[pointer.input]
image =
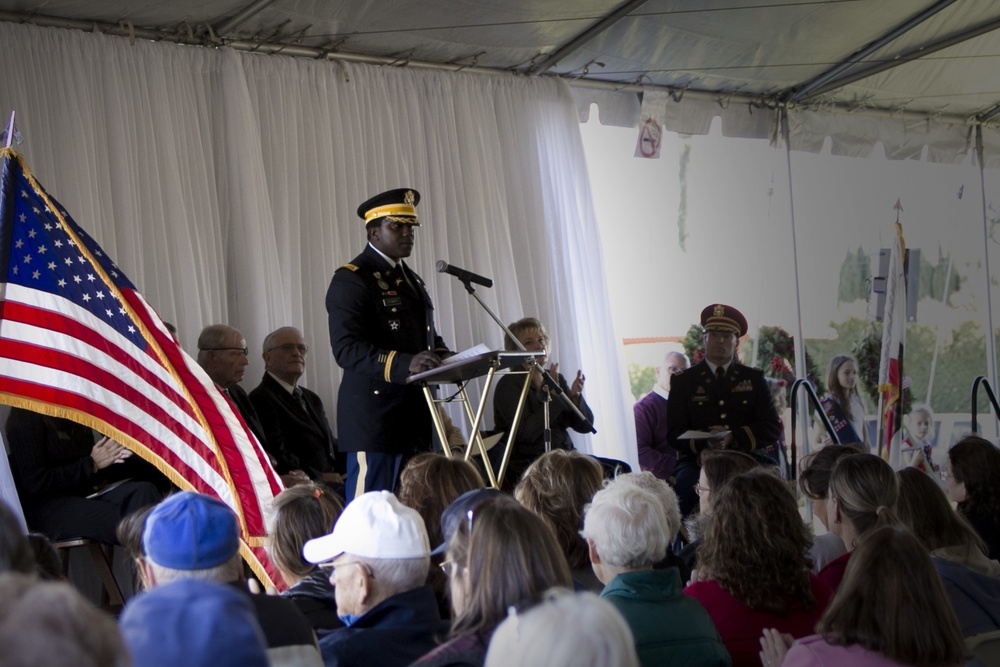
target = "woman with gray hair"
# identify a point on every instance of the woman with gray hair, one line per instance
(564, 630)
(628, 529)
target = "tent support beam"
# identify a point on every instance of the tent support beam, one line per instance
(585, 36)
(915, 53)
(856, 57)
(297, 50)
(241, 17)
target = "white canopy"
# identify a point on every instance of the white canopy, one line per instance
(900, 72)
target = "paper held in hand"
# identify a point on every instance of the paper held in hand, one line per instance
(703, 435)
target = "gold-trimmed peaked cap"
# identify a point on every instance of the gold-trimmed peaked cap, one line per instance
(720, 317)
(399, 205)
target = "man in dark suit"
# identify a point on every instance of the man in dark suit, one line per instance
(722, 397)
(381, 332)
(295, 425)
(222, 352)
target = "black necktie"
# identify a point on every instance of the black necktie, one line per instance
(720, 373)
(297, 393)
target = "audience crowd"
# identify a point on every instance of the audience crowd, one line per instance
(569, 563)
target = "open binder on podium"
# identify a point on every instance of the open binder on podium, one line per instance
(459, 369)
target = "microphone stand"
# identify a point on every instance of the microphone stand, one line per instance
(550, 384)
(547, 433)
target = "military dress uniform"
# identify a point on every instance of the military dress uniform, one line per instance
(740, 401)
(380, 316)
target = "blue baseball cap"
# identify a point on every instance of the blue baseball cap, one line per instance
(191, 531)
(458, 509)
(195, 624)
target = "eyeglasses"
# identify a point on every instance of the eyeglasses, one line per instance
(448, 567)
(332, 567)
(245, 351)
(290, 347)
(701, 490)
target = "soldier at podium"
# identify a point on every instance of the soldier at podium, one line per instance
(381, 332)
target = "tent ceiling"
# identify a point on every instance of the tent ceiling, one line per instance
(941, 57)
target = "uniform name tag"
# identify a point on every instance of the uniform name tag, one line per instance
(392, 301)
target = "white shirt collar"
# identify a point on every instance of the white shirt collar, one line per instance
(712, 366)
(386, 257)
(288, 387)
(660, 391)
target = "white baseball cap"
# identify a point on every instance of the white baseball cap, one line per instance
(373, 525)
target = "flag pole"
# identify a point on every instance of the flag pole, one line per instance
(10, 130)
(801, 372)
(991, 350)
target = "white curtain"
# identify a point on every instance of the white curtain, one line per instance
(225, 185)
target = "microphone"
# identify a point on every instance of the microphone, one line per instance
(462, 274)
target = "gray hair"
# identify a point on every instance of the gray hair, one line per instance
(664, 493)
(269, 338)
(212, 337)
(393, 576)
(50, 623)
(229, 571)
(627, 526)
(590, 632)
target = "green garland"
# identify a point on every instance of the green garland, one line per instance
(868, 353)
(775, 355)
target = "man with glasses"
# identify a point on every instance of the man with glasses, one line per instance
(222, 352)
(295, 424)
(378, 557)
(382, 332)
(719, 403)
(655, 455)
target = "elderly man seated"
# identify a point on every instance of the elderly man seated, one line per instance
(627, 529)
(379, 556)
(193, 536)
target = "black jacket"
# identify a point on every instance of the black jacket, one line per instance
(377, 324)
(296, 438)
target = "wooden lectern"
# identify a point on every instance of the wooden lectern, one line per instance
(459, 373)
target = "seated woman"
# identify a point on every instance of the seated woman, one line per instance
(565, 630)
(884, 614)
(71, 486)
(862, 496)
(973, 477)
(512, 559)
(754, 571)
(429, 483)
(556, 487)
(971, 580)
(301, 513)
(627, 532)
(814, 482)
(529, 441)
(718, 466)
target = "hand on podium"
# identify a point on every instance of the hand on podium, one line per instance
(424, 361)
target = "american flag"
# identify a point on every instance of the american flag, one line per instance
(78, 341)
